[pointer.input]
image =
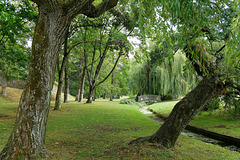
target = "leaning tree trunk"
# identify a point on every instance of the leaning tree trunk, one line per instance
(28, 137)
(185, 110)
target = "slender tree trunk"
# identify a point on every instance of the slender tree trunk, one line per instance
(28, 137)
(111, 92)
(66, 88)
(184, 111)
(60, 75)
(90, 94)
(95, 95)
(79, 81)
(104, 94)
(4, 85)
(59, 92)
(82, 85)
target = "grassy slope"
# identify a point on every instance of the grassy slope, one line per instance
(103, 129)
(14, 95)
(217, 122)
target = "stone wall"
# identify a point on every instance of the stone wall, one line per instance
(15, 84)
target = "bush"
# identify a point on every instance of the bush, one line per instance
(127, 101)
(167, 97)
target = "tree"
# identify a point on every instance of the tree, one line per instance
(15, 29)
(210, 47)
(28, 137)
(104, 40)
(60, 74)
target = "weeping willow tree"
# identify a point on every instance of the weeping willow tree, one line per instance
(165, 77)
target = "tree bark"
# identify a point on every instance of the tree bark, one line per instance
(66, 88)
(90, 94)
(185, 110)
(28, 137)
(4, 85)
(60, 75)
(104, 94)
(79, 81)
(95, 95)
(59, 93)
(82, 85)
(111, 92)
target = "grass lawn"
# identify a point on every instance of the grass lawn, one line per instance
(102, 130)
(213, 121)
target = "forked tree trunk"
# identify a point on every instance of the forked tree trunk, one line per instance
(28, 137)
(184, 111)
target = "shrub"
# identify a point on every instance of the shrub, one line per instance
(127, 101)
(167, 97)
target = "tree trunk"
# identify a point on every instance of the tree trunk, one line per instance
(104, 94)
(185, 110)
(82, 86)
(59, 92)
(95, 95)
(66, 88)
(90, 94)
(79, 82)
(60, 75)
(28, 137)
(111, 92)
(4, 85)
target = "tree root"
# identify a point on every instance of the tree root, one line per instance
(139, 140)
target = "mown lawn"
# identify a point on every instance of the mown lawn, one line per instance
(214, 121)
(102, 130)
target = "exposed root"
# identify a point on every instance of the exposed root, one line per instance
(139, 140)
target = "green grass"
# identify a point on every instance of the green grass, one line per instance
(213, 121)
(102, 130)
(164, 107)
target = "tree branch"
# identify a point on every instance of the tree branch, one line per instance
(95, 11)
(120, 54)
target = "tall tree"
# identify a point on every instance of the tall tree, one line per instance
(14, 32)
(28, 137)
(60, 73)
(210, 47)
(107, 39)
